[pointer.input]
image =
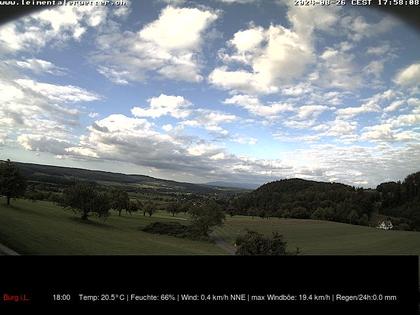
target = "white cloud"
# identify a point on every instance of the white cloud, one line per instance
(56, 25)
(253, 105)
(371, 104)
(245, 140)
(38, 66)
(93, 114)
(358, 28)
(307, 19)
(337, 128)
(42, 143)
(276, 55)
(386, 133)
(412, 101)
(240, 81)
(58, 93)
(394, 106)
(381, 162)
(218, 156)
(379, 132)
(209, 120)
(38, 108)
(375, 68)
(238, 1)
(310, 111)
(167, 127)
(404, 120)
(168, 47)
(409, 76)
(175, 106)
(380, 50)
(115, 76)
(337, 69)
(245, 41)
(178, 28)
(133, 140)
(174, 2)
(80, 151)
(297, 89)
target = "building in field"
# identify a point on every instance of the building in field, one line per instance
(385, 225)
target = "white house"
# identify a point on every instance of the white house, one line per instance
(385, 225)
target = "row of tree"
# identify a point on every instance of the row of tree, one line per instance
(402, 199)
(91, 199)
(291, 198)
(303, 199)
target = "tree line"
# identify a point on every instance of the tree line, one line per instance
(289, 198)
(303, 199)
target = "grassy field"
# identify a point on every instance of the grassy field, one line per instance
(43, 228)
(326, 238)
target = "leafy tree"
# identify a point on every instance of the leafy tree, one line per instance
(119, 200)
(205, 216)
(353, 217)
(12, 183)
(149, 208)
(174, 208)
(134, 206)
(84, 198)
(255, 244)
(364, 220)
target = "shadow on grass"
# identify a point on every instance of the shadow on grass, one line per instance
(20, 209)
(97, 224)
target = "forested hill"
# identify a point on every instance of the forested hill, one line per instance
(56, 176)
(298, 198)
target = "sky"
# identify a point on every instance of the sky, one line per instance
(245, 91)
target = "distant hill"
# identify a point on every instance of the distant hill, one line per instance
(249, 186)
(57, 176)
(305, 199)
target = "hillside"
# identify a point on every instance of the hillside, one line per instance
(248, 186)
(42, 228)
(53, 176)
(304, 199)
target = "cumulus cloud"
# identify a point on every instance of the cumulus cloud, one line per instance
(39, 108)
(394, 106)
(337, 69)
(276, 55)
(238, 1)
(168, 47)
(273, 56)
(51, 26)
(371, 104)
(387, 133)
(37, 66)
(337, 128)
(134, 140)
(253, 105)
(358, 28)
(210, 120)
(58, 93)
(42, 143)
(175, 106)
(343, 163)
(409, 76)
(310, 111)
